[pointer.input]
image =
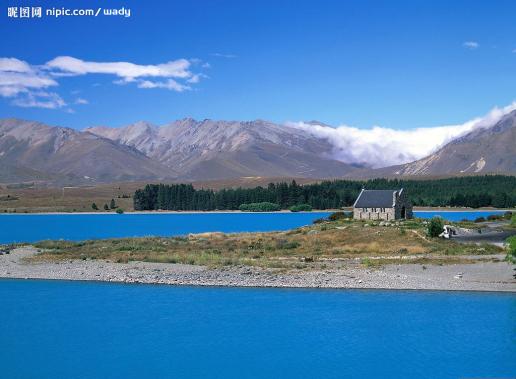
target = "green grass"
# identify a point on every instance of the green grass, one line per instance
(511, 246)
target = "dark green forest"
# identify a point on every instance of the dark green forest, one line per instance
(471, 191)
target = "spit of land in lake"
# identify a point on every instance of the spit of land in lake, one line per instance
(342, 253)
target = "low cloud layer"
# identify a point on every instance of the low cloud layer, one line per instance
(380, 147)
(29, 85)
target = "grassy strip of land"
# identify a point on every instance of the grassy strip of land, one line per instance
(327, 244)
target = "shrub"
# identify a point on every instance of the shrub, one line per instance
(493, 217)
(435, 227)
(94, 207)
(285, 244)
(301, 208)
(335, 216)
(106, 208)
(507, 215)
(480, 219)
(259, 207)
(112, 204)
(511, 244)
(513, 220)
(119, 211)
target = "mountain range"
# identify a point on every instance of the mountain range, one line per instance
(484, 150)
(191, 150)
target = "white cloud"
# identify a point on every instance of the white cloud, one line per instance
(14, 65)
(472, 45)
(81, 101)
(17, 76)
(128, 72)
(380, 147)
(221, 55)
(47, 100)
(73, 66)
(168, 84)
(26, 84)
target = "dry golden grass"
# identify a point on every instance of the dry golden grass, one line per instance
(79, 199)
(316, 246)
(67, 199)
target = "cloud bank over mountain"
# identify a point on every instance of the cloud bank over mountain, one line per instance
(380, 146)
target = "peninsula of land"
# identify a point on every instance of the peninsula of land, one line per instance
(339, 253)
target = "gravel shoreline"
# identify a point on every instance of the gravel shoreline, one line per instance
(481, 276)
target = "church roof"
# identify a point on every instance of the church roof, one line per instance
(375, 199)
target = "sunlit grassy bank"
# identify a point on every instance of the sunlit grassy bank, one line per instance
(327, 244)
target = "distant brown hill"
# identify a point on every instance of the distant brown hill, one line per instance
(34, 151)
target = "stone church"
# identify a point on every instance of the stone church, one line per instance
(382, 205)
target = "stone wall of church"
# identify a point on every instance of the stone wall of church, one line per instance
(401, 202)
(386, 214)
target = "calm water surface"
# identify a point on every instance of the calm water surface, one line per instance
(457, 216)
(52, 329)
(30, 228)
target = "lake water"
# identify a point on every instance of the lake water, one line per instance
(30, 228)
(457, 215)
(52, 329)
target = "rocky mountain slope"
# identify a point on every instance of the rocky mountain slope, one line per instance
(31, 150)
(213, 150)
(226, 149)
(486, 150)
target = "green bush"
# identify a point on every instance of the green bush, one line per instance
(513, 220)
(335, 216)
(435, 227)
(259, 207)
(301, 208)
(511, 243)
(284, 244)
(119, 211)
(94, 207)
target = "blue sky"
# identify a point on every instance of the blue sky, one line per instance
(398, 64)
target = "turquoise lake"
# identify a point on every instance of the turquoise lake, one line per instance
(56, 329)
(34, 227)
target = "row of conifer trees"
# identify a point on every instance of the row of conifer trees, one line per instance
(474, 191)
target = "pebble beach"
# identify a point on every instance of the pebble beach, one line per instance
(495, 275)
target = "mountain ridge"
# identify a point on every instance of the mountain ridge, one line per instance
(62, 152)
(484, 150)
(193, 150)
(209, 149)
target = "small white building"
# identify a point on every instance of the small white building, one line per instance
(382, 205)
